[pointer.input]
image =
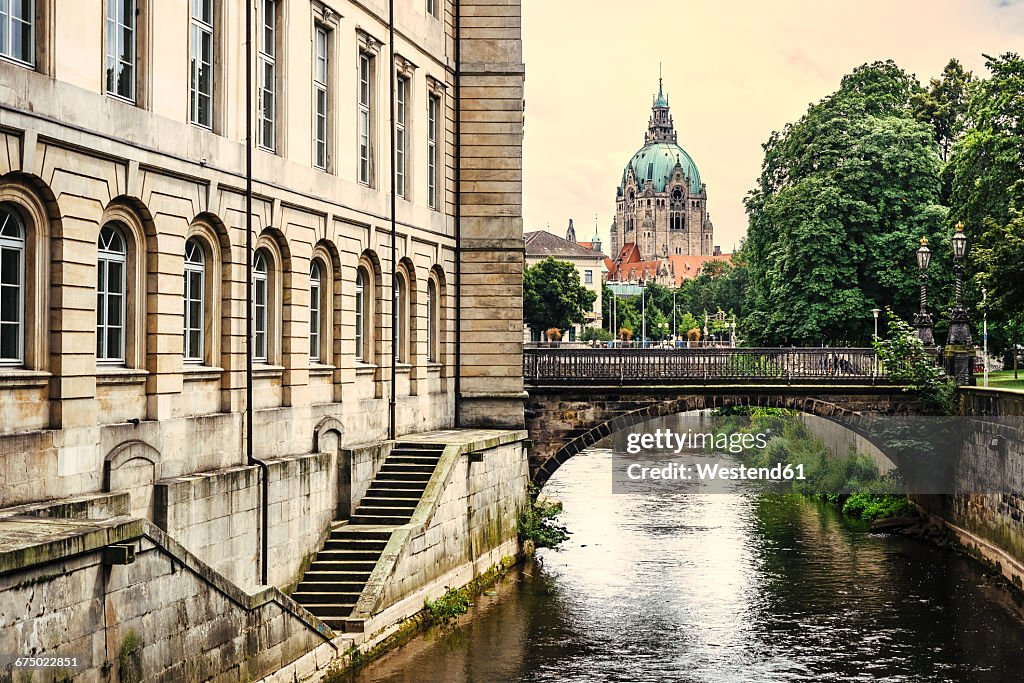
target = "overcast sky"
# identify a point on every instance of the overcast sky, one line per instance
(734, 70)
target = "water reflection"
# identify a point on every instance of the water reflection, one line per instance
(722, 587)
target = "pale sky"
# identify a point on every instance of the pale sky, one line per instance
(734, 71)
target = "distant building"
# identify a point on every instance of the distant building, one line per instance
(587, 261)
(662, 229)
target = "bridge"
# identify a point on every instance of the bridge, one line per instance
(579, 396)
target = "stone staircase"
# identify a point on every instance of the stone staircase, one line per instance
(334, 581)
(397, 488)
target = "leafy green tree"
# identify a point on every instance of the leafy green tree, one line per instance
(944, 105)
(553, 295)
(844, 196)
(988, 162)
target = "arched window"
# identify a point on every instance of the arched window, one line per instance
(12, 288)
(361, 315)
(401, 332)
(431, 320)
(260, 307)
(315, 311)
(195, 301)
(110, 294)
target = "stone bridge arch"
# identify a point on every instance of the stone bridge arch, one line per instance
(562, 421)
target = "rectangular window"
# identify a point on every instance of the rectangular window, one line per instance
(588, 277)
(194, 286)
(267, 73)
(17, 32)
(12, 285)
(365, 118)
(121, 35)
(259, 302)
(401, 97)
(433, 109)
(432, 8)
(201, 64)
(320, 70)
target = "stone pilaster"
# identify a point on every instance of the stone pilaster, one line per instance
(491, 206)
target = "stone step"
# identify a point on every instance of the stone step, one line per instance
(389, 466)
(335, 577)
(412, 460)
(420, 478)
(418, 446)
(372, 508)
(378, 520)
(342, 554)
(342, 566)
(362, 533)
(307, 587)
(386, 483)
(414, 494)
(340, 609)
(368, 544)
(385, 501)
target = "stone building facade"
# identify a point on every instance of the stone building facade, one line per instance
(585, 257)
(123, 219)
(661, 203)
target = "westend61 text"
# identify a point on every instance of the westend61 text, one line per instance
(711, 471)
(667, 440)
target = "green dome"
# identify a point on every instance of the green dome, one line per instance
(657, 161)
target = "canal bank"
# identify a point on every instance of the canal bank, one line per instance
(722, 587)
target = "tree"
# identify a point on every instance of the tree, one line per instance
(553, 295)
(944, 105)
(988, 162)
(844, 196)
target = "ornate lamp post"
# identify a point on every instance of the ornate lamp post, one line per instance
(958, 347)
(875, 312)
(923, 319)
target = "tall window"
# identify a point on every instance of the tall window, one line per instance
(360, 315)
(259, 307)
(433, 109)
(12, 287)
(110, 295)
(201, 63)
(320, 99)
(195, 301)
(121, 42)
(431, 320)
(365, 120)
(400, 315)
(588, 277)
(401, 97)
(314, 311)
(267, 65)
(432, 8)
(17, 34)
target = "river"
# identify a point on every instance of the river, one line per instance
(717, 588)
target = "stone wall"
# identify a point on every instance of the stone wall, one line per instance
(164, 617)
(216, 516)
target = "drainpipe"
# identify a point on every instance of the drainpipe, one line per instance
(250, 459)
(394, 232)
(458, 215)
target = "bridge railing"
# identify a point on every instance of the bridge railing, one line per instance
(785, 365)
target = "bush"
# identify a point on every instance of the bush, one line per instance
(595, 334)
(536, 523)
(554, 334)
(870, 506)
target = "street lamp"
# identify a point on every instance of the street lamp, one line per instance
(923, 319)
(875, 312)
(957, 357)
(984, 333)
(643, 314)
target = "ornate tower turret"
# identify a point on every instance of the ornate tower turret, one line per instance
(570, 234)
(660, 128)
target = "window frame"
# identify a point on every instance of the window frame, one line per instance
(267, 62)
(433, 109)
(261, 278)
(8, 23)
(321, 96)
(364, 118)
(104, 258)
(191, 269)
(112, 32)
(19, 245)
(432, 9)
(198, 26)
(432, 318)
(316, 311)
(403, 86)
(401, 332)
(360, 314)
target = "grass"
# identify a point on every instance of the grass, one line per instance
(1003, 379)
